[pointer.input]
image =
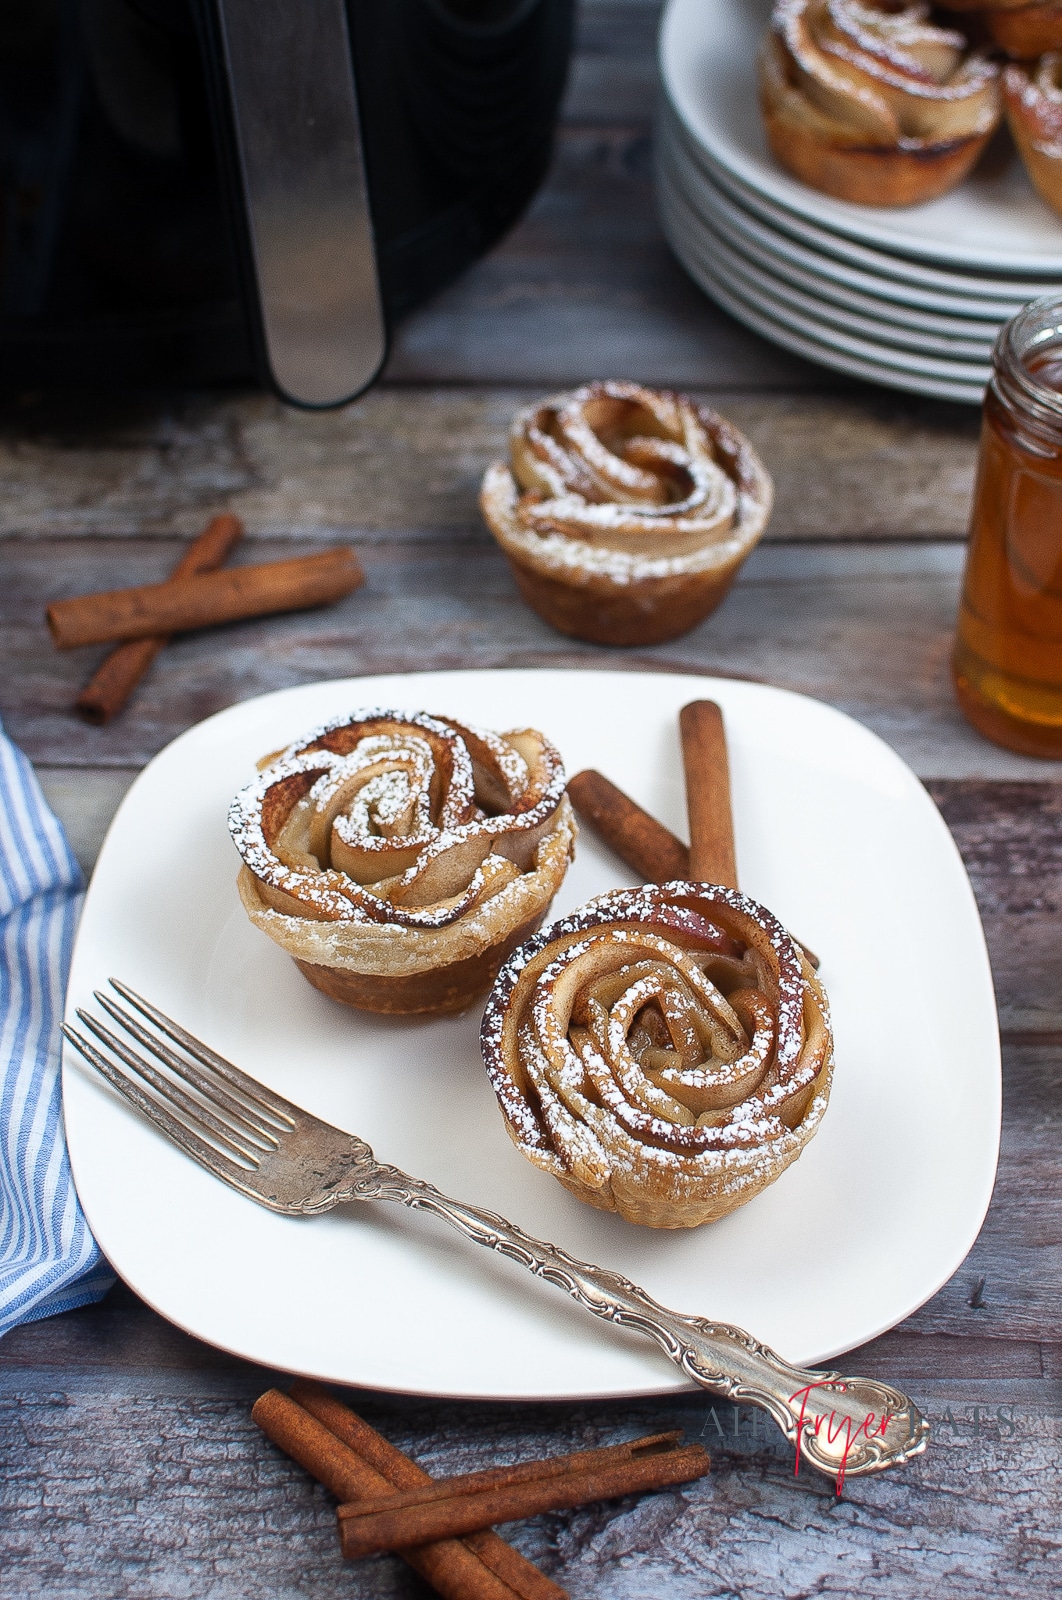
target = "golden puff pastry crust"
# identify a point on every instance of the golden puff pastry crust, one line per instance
(872, 102)
(1033, 95)
(624, 511)
(401, 857)
(664, 1052)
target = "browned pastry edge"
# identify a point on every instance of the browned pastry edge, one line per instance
(869, 175)
(441, 990)
(594, 608)
(641, 608)
(1045, 172)
(1035, 122)
(672, 1193)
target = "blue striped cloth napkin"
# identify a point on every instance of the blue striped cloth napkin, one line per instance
(49, 1261)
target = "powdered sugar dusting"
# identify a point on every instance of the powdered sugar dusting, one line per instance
(380, 849)
(667, 1161)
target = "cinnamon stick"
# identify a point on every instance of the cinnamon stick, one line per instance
(453, 1567)
(523, 1472)
(644, 844)
(118, 675)
(368, 1528)
(712, 855)
(707, 765)
(505, 1563)
(649, 848)
(204, 599)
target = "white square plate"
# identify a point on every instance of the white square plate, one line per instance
(834, 833)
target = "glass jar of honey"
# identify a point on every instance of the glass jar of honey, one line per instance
(1008, 650)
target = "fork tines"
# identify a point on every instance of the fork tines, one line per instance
(205, 1104)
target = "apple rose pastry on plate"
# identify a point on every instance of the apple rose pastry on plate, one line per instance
(400, 858)
(625, 512)
(664, 1052)
(871, 102)
(1034, 110)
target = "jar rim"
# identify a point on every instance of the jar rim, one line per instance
(1037, 326)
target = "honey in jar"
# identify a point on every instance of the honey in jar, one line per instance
(1008, 650)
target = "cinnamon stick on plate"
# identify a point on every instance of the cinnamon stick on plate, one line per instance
(713, 858)
(707, 764)
(201, 600)
(118, 675)
(456, 1506)
(483, 1567)
(648, 848)
(652, 850)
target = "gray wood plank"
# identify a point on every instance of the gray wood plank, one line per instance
(407, 463)
(585, 287)
(153, 1488)
(85, 803)
(867, 628)
(1010, 836)
(613, 76)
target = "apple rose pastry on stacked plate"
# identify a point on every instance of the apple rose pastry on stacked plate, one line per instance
(664, 1052)
(625, 512)
(400, 858)
(872, 102)
(1034, 110)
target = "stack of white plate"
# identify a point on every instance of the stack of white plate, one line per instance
(912, 298)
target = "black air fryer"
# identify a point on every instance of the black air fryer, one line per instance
(204, 190)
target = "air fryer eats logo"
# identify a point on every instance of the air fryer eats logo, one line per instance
(959, 1424)
(840, 1434)
(837, 1435)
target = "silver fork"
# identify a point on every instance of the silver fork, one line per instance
(292, 1162)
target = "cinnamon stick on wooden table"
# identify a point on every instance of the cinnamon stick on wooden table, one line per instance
(202, 600)
(482, 1567)
(455, 1506)
(118, 675)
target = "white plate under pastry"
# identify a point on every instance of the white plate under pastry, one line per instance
(818, 340)
(801, 269)
(759, 278)
(992, 222)
(936, 306)
(971, 292)
(834, 833)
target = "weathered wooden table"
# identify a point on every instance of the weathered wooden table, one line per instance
(131, 1467)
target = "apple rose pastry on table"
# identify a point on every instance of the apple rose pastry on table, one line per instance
(625, 512)
(872, 102)
(400, 858)
(664, 1052)
(1034, 111)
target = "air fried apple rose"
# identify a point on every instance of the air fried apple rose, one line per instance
(400, 858)
(1034, 110)
(872, 102)
(664, 1052)
(625, 512)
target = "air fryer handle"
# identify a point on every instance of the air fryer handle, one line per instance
(285, 71)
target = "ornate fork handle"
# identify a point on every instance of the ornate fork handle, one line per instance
(845, 1427)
